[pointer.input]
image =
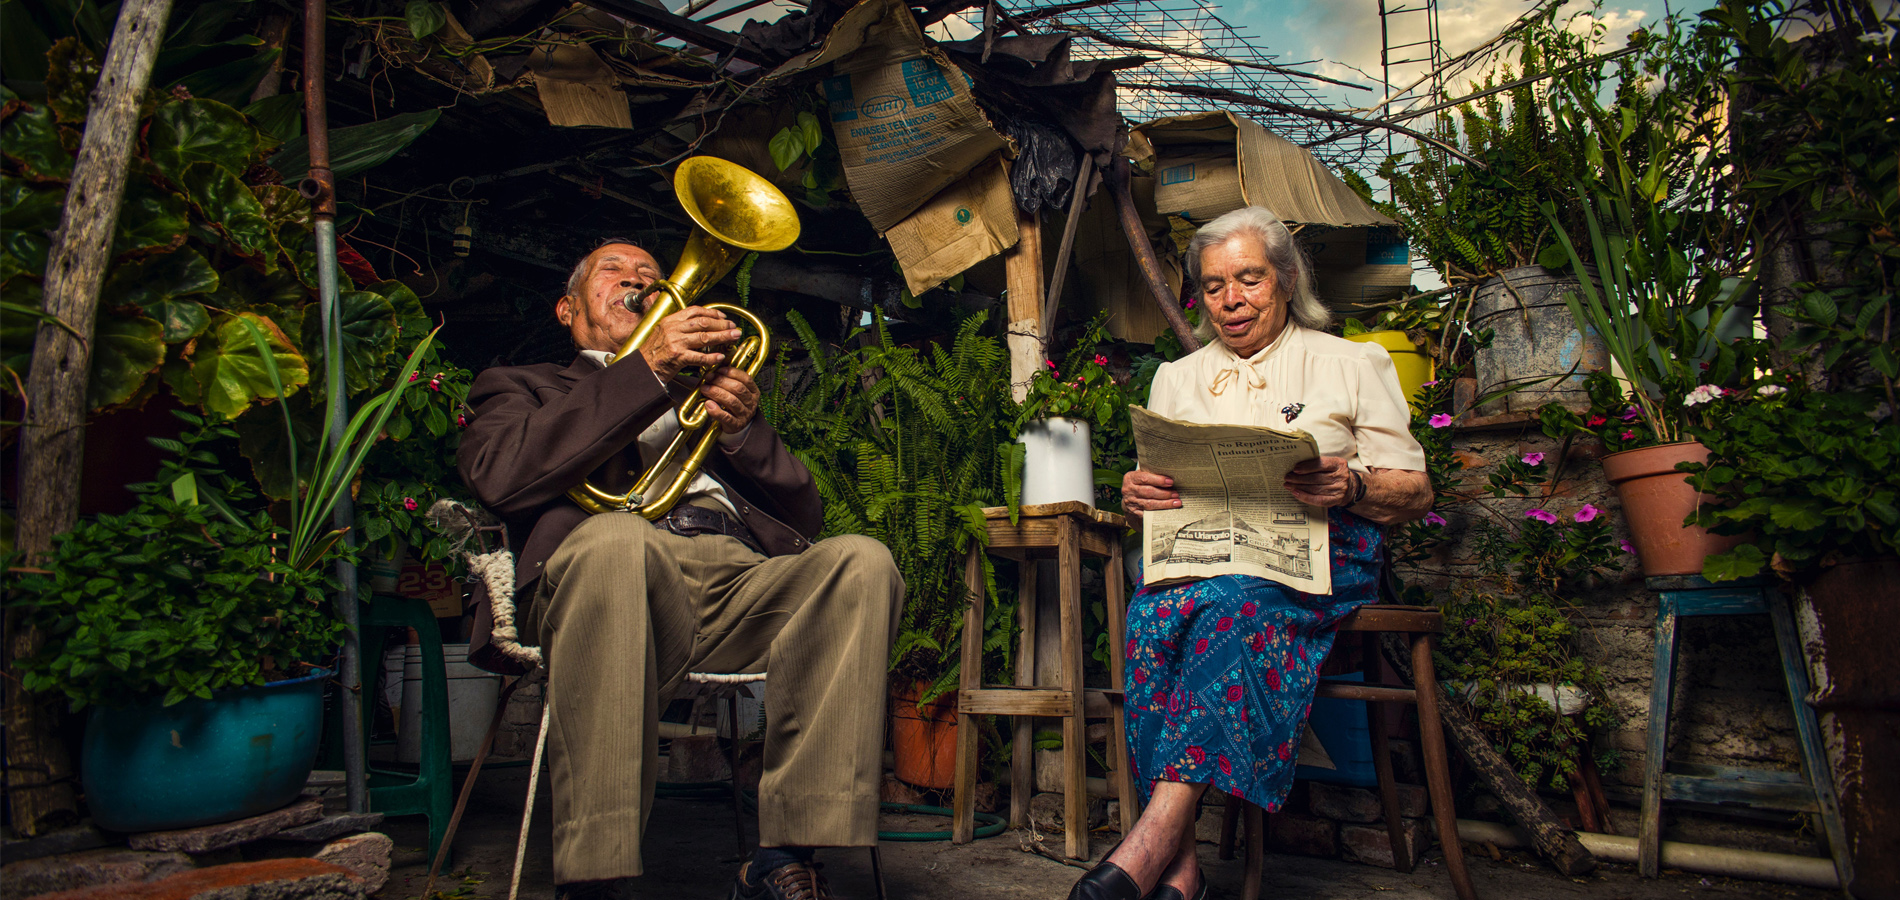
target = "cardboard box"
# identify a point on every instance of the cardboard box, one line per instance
(1106, 275)
(577, 88)
(431, 583)
(905, 122)
(1356, 267)
(1208, 164)
(966, 223)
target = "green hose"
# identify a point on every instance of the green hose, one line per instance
(991, 825)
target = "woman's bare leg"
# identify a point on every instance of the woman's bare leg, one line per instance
(1184, 871)
(1151, 850)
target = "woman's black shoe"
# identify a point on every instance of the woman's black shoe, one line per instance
(1105, 882)
(1167, 892)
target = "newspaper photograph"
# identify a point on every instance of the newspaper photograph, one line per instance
(1236, 515)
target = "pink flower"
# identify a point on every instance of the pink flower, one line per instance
(409, 503)
(1101, 360)
(1588, 513)
(1190, 303)
(1432, 383)
(1432, 518)
(414, 375)
(1533, 459)
(1627, 548)
(1594, 421)
(462, 421)
(1542, 515)
(1629, 415)
(1440, 420)
(1629, 435)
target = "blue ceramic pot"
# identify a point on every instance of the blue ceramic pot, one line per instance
(243, 752)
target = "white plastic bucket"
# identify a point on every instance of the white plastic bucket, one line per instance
(1059, 464)
(393, 658)
(472, 697)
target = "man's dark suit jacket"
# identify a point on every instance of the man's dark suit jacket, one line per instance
(539, 430)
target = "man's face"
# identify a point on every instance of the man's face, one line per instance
(597, 318)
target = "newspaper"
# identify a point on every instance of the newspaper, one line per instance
(1236, 515)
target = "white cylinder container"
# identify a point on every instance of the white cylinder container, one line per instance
(1059, 464)
(472, 697)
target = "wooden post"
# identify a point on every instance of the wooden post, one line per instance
(53, 434)
(1022, 264)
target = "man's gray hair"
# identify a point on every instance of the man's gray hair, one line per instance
(577, 279)
(1292, 278)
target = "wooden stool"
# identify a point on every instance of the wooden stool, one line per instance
(1065, 531)
(1812, 791)
(1421, 625)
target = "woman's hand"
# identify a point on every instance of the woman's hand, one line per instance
(1143, 491)
(1323, 481)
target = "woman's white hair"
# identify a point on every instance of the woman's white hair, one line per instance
(1292, 278)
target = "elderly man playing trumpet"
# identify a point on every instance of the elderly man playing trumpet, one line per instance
(1220, 672)
(728, 581)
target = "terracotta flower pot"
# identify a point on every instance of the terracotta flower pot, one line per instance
(1656, 498)
(924, 742)
(1853, 611)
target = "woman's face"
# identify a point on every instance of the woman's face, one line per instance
(1237, 291)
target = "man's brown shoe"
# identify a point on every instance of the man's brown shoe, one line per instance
(792, 881)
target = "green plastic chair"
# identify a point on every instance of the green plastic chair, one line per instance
(428, 790)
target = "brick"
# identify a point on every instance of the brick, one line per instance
(365, 854)
(87, 868)
(1414, 801)
(207, 838)
(1302, 834)
(1046, 813)
(1370, 844)
(1344, 804)
(272, 879)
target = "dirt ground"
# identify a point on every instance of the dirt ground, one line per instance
(691, 855)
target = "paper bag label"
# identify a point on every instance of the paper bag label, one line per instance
(1178, 174)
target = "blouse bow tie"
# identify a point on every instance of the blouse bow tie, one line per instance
(1232, 375)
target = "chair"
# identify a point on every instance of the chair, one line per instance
(1066, 531)
(1421, 625)
(426, 792)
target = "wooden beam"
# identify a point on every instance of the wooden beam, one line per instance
(52, 437)
(695, 33)
(1145, 254)
(1022, 267)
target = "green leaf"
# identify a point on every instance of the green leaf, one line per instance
(1745, 561)
(357, 148)
(28, 216)
(125, 351)
(261, 439)
(1796, 516)
(149, 216)
(280, 117)
(230, 370)
(233, 82)
(72, 71)
(812, 131)
(424, 18)
(1820, 308)
(30, 137)
(159, 286)
(786, 147)
(369, 335)
(184, 132)
(230, 205)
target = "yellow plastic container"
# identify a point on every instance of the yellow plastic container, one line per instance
(1414, 365)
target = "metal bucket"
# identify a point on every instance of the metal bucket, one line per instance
(1535, 337)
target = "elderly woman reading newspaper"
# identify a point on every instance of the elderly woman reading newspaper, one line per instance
(1220, 672)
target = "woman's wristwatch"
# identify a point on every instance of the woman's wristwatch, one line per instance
(1357, 489)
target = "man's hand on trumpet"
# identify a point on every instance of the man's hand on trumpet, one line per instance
(694, 336)
(731, 398)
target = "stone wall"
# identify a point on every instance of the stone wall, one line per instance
(1730, 706)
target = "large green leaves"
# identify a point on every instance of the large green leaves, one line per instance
(162, 286)
(193, 131)
(357, 148)
(28, 214)
(149, 216)
(369, 335)
(280, 117)
(125, 351)
(225, 200)
(230, 371)
(30, 137)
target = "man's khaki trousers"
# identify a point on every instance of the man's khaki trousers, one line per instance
(625, 610)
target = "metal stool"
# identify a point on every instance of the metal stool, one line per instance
(1421, 625)
(1066, 531)
(1811, 792)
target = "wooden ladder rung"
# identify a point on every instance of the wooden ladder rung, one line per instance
(1348, 691)
(1004, 700)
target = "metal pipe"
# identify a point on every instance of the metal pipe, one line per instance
(319, 187)
(1810, 871)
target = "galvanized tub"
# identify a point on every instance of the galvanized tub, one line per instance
(1535, 338)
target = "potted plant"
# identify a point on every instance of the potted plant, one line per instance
(907, 446)
(195, 630)
(1409, 329)
(1057, 421)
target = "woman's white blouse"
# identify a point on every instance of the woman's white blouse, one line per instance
(1344, 393)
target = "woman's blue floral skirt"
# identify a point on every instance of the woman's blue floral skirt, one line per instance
(1220, 672)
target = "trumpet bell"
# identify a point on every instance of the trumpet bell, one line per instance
(735, 205)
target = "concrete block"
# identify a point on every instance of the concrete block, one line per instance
(365, 854)
(1047, 813)
(207, 838)
(86, 868)
(271, 879)
(1298, 833)
(1371, 845)
(331, 826)
(1342, 803)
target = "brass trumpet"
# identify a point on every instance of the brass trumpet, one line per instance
(734, 211)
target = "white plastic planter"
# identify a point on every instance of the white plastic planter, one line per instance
(472, 697)
(1058, 465)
